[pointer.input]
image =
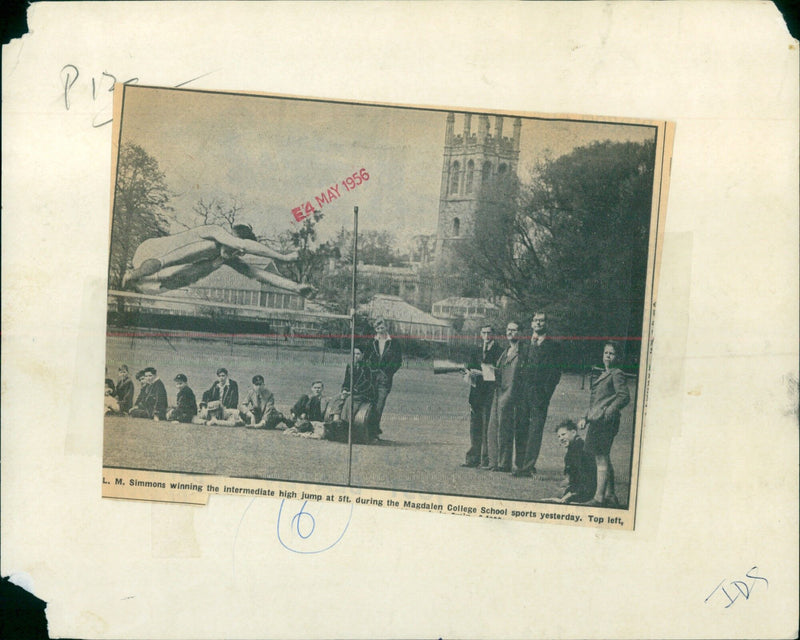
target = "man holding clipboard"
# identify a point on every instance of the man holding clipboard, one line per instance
(481, 392)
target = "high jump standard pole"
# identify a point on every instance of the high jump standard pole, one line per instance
(352, 346)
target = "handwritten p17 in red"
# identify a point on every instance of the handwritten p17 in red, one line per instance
(330, 194)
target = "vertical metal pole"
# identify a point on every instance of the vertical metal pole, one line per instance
(352, 347)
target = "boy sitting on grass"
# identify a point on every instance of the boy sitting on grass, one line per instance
(579, 467)
(258, 409)
(213, 413)
(185, 408)
(111, 404)
(309, 408)
(152, 400)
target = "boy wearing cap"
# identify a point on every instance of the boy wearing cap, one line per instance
(185, 403)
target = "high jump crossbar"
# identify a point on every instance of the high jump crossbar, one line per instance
(227, 305)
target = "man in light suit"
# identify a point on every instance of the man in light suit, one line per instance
(383, 358)
(508, 390)
(481, 393)
(541, 376)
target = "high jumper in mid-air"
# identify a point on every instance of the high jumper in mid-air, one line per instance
(178, 260)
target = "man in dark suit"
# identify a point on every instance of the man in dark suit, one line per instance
(541, 376)
(383, 358)
(508, 389)
(481, 393)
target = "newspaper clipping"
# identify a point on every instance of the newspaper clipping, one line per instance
(427, 308)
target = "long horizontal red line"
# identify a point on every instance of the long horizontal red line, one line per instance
(152, 334)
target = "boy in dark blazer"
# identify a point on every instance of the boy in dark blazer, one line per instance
(225, 390)
(185, 403)
(124, 392)
(542, 372)
(383, 358)
(580, 472)
(152, 400)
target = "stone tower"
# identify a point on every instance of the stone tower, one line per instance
(471, 161)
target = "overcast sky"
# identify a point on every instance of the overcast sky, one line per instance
(275, 154)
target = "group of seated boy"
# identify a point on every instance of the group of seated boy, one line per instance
(219, 405)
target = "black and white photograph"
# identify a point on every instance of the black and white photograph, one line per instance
(339, 273)
(430, 304)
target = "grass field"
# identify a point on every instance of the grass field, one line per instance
(425, 425)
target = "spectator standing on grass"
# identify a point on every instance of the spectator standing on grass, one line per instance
(124, 392)
(383, 358)
(580, 471)
(185, 408)
(507, 394)
(481, 392)
(609, 395)
(541, 374)
(152, 400)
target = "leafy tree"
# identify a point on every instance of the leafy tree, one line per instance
(501, 250)
(334, 283)
(573, 241)
(141, 198)
(312, 254)
(422, 247)
(379, 248)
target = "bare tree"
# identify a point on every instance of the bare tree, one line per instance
(219, 211)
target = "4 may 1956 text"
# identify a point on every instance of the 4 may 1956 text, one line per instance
(330, 194)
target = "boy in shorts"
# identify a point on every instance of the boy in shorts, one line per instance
(165, 263)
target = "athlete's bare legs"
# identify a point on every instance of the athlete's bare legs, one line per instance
(198, 245)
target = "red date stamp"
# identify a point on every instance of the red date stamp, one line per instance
(330, 194)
